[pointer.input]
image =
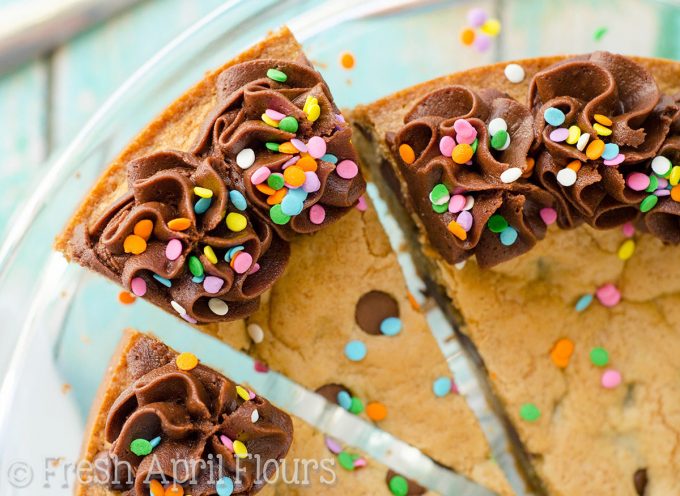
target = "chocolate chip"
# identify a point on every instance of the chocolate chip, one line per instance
(330, 392)
(414, 489)
(640, 481)
(374, 307)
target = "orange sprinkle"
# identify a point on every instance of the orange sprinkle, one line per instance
(134, 244)
(561, 352)
(179, 224)
(347, 60)
(143, 229)
(126, 298)
(574, 165)
(412, 300)
(294, 176)
(267, 190)
(530, 165)
(462, 153)
(376, 411)
(186, 361)
(174, 490)
(467, 36)
(407, 154)
(595, 149)
(457, 230)
(603, 119)
(675, 193)
(277, 197)
(307, 164)
(156, 488)
(288, 148)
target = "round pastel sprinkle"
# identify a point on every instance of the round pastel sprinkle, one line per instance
(440, 209)
(141, 447)
(560, 134)
(255, 416)
(476, 17)
(628, 229)
(256, 333)
(594, 149)
(511, 175)
(462, 153)
(238, 200)
(674, 177)
(240, 449)
(514, 73)
(177, 307)
(376, 411)
(566, 177)
(398, 486)
(210, 254)
(548, 215)
(245, 158)
(347, 169)
(291, 205)
(561, 352)
(653, 184)
(509, 236)
(611, 151)
(442, 386)
(242, 262)
(469, 202)
(626, 249)
(439, 194)
(212, 284)
(465, 220)
(228, 443)
(446, 145)
(362, 205)
(203, 192)
(218, 307)
(156, 488)
(330, 158)
(482, 42)
(316, 147)
(275, 180)
(554, 116)
(312, 183)
(186, 361)
(574, 135)
(408, 156)
(243, 393)
(611, 378)
(491, 27)
(277, 215)
(356, 406)
(467, 36)
(616, 160)
(236, 222)
(202, 205)
(661, 165)
(260, 175)
(582, 142)
(599, 357)
(317, 214)
(173, 249)
(344, 400)
(456, 203)
(496, 125)
(277, 76)
(391, 326)
(333, 445)
(529, 412)
(584, 302)
(138, 286)
(608, 295)
(637, 181)
(649, 203)
(355, 350)
(224, 487)
(289, 124)
(165, 282)
(134, 244)
(346, 460)
(497, 223)
(273, 147)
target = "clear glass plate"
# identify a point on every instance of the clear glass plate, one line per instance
(60, 324)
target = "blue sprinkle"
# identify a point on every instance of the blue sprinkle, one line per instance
(329, 157)
(391, 326)
(291, 205)
(509, 236)
(155, 441)
(298, 193)
(441, 386)
(584, 302)
(202, 205)
(554, 116)
(224, 487)
(344, 400)
(198, 279)
(238, 200)
(355, 351)
(611, 150)
(232, 251)
(165, 282)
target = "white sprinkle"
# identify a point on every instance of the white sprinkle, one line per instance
(506, 144)
(217, 306)
(255, 416)
(514, 73)
(460, 265)
(511, 175)
(497, 124)
(245, 158)
(178, 308)
(582, 142)
(566, 177)
(256, 333)
(444, 199)
(661, 165)
(469, 202)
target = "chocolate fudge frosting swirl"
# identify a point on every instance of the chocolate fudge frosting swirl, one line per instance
(636, 117)
(190, 411)
(518, 201)
(287, 119)
(202, 269)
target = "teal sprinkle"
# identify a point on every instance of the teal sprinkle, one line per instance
(198, 279)
(165, 282)
(584, 302)
(330, 158)
(238, 200)
(155, 441)
(202, 205)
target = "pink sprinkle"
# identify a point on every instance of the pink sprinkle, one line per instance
(260, 175)
(662, 182)
(261, 367)
(293, 160)
(312, 183)
(242, 262)
(465, 220)
(360, 462)
(628, 230)
(340, 118)
(317, 214)
(482, 42)
(616, 160)
(189, 319)
(277, 116)
(347, 169)
(138, 286)
(549, 215)
(316, 146)
(560, 134)
(173, 249)
(454, 387)
(446, 145)
(637, 181)
(462, 126)
(227, 442)
(255, 268)
(298, 144)
(361, 204)
(332, 445)
(608, 295)
(212, 284)
(662, 192)
(476, 17)
(251, 395)
(611, 378)
(456, 203)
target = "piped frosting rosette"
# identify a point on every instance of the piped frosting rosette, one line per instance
(277, 122)
(600, 117)
(182, 237)
(464, 158)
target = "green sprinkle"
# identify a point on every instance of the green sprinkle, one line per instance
(438, 192)
(277, 75)
(288, 124)
(272, 146)
(398, 486)
(653, 184)
(141, 447)
(195, 266)
(440, 209)
(497, 223)
(357, 406)
(474, 145)
(276, 181)
(649, 203)
(346, 461)
(529, 412)
(599, 357)
(599, 33)
(278, 216)
(499, 139)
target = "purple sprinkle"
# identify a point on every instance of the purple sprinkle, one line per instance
(662, 192)
(212, 284)
(482, 42)
(560, 134)
(298, 144)
(312, 183)
(477, 17)
(316, 146)
(273, 114)
(293, 160)
(446, 145)
(662, 182)
(616, 160)
(189, 319)
(260, 175)
(465, 220)
(340, 118)
(333, 446)
(173, 249)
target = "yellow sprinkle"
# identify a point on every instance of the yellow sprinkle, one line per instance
(236, 222)
(288, 148)
(314, 112)
(269, 120)
(491, 27)
(601, 130)
(240, 449)
(210, 254)
(186, 361)
(574, 135)
(603, 119)
(243, 393)
(203, 192)
(309, 101)
(674, 177)
(626, 249)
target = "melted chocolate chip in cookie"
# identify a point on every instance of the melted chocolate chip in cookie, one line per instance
(373, 308)
(640, 481)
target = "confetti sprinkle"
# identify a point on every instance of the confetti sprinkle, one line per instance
(561, 352)
(376, 411)
(608, 295)
(127, 298)
(355, 350)
(514, 73)
(610, 379)
(599, 357)
(224, 487)
(599, 33)
(442, 386)
(347, 60)
(256, 333)
(186, 361)
(529, 412)
(141, 447)
(584, 302)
